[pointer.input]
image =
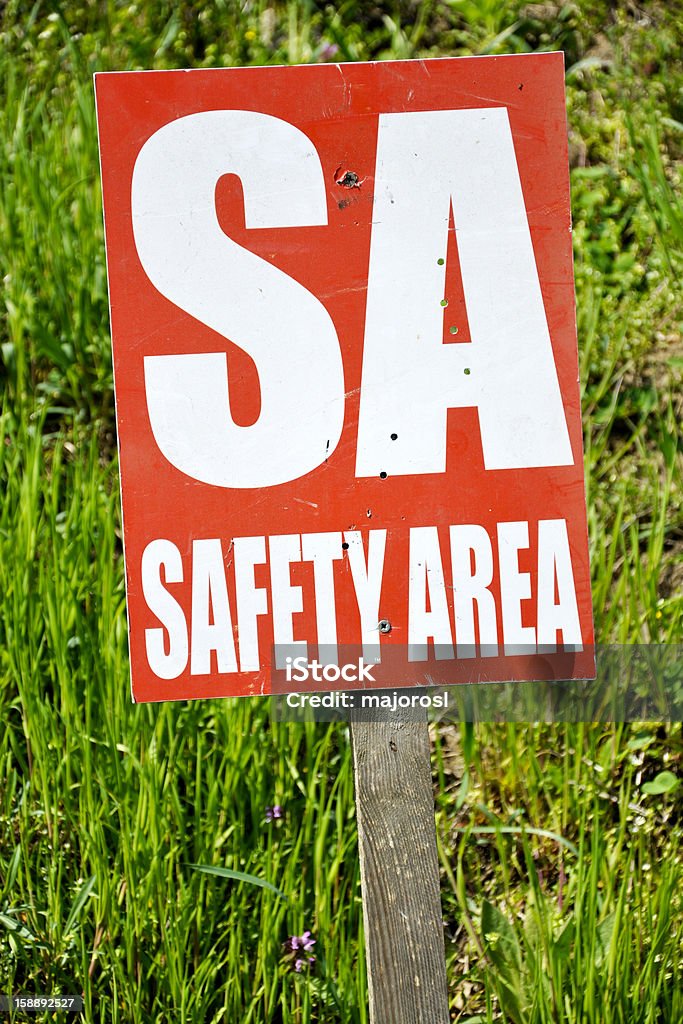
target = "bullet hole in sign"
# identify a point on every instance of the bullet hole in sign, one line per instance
(394, 437)
(383, 475)
(347, 179)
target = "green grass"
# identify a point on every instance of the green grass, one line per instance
(561, 867)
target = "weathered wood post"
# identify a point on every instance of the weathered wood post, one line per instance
(399, 869)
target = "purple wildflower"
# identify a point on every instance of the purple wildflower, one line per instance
(295, 947)
(328, 51)
(299, 963)
(304, 942)
(275, 812)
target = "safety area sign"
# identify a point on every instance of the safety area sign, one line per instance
(346, 376)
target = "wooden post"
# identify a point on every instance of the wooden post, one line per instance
(399, 870)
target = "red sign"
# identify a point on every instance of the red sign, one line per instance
(346, 372)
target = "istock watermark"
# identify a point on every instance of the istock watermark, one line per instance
(347, 683)
(356, 673)
(301, 670)
(632, 683)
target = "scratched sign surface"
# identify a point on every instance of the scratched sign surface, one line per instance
(346, 372)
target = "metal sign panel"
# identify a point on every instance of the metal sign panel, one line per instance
(346, 374)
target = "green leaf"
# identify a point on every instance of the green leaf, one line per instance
(79, 903)
(17, 928)
(665, 782)
(238, 876)
(13, 868)
(500, 941)
(641, 740)
(563, 943)
(469, 742)
(606, 930)
(517, 830)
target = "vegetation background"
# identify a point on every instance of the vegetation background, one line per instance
(559, 845)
